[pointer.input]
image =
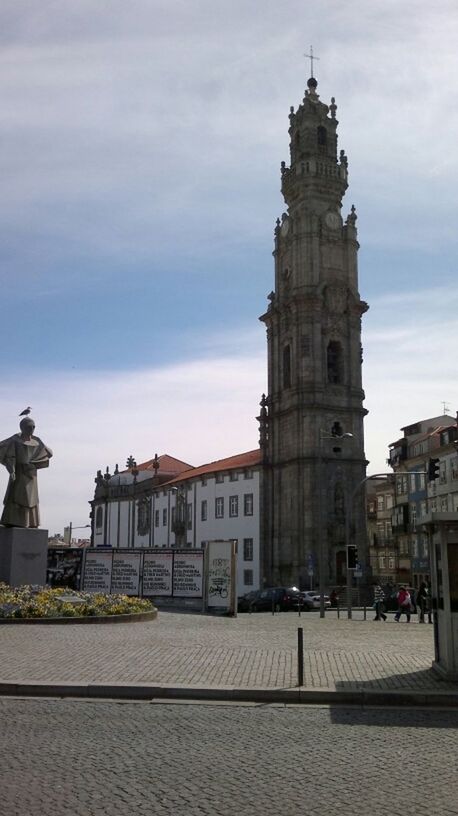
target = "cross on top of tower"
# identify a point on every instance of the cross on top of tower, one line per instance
(311, 57)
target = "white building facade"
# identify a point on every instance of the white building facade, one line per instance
(168, 504)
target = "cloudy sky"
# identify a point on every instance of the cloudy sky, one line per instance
(140, 151)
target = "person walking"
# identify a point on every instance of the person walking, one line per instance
(404, 604)
(424, 603)
(379, 597)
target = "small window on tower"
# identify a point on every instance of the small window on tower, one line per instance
(287, 367)
(321, 135)
(335, 363)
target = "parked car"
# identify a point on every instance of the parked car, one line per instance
(311, 600)
(282, 599)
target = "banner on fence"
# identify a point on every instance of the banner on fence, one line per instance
(157, 573)
(221, 589)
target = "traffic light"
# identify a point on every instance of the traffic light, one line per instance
(352, 556)
(433, 469)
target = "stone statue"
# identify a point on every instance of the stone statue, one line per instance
(23, 454)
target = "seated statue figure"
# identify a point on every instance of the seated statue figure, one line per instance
(23, 454)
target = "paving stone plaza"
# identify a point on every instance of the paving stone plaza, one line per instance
(250, 651)
(93, 757)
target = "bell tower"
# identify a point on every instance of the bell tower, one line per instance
(311, 419)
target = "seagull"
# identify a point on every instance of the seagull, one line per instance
(26, 411)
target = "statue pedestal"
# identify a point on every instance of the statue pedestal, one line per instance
(23, 556)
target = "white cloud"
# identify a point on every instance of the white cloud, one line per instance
(198, 412)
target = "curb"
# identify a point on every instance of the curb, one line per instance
(134, 617)
(304, 696)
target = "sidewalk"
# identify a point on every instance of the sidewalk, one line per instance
(252, 657)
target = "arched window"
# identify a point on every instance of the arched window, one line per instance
(287, 366)
(99, 517)
(321, 135)
(335, 363)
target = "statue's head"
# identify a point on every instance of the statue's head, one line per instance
(27, 425)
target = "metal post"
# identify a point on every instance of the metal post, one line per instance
(300, 656)
(347, 542)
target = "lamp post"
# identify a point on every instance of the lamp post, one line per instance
(338, 435)
(70, 529)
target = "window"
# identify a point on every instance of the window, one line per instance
(422, 481)
(413, 483)
(247, 549)
(233, 506)
(444, 504)
(425, 547)
(219, 507)
(189, 515)
(203, 510)
(99, 517)
(335, 362)
(413, 516)
(248, 577)
(287, 367)
(423, 508)
(380, 503)
(454, 464)
(219, 478)
(321, 135)
(247, 473)
(389, 502)
(203, 481)
(391, 564)
(442, 472)
(233, 476)
(248, 504)
(381, 562)
(415, 547)
(156, 518)
(164, 517)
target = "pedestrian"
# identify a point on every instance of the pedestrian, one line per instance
(404, 604)
(424, 602)
(429, 601)
(422, 595)
(379, 597)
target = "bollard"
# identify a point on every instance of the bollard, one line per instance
(364, 611)
(273, 607)
(338, 610)
(300, 656)
(299, 608)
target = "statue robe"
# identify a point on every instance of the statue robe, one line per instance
(22, 459)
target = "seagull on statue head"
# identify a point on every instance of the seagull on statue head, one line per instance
(26, 411)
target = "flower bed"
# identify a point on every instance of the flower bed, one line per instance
(32, 602)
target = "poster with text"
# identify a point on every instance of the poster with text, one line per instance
(188, 568)
(97, 571)
(157, 573)
(125, 577)
(219, 577)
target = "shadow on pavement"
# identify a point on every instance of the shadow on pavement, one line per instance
(395, 717)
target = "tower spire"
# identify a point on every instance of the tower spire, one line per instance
(311, 57)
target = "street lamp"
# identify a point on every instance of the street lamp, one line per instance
(69, 531)
(335, 435)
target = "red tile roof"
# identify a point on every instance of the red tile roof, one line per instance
(168, 465)
(240, 461)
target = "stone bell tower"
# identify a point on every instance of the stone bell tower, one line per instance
(311, 421)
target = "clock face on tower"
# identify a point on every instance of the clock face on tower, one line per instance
(332, 220)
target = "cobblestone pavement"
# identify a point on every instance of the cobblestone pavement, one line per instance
(80, 758)
(250, 651)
